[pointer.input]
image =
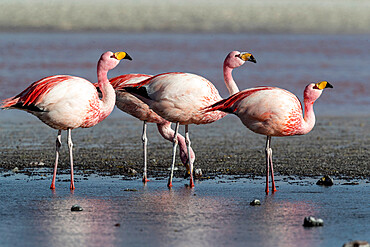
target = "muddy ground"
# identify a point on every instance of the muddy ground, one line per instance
(337, 146)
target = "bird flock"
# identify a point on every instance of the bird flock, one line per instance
(68, 102)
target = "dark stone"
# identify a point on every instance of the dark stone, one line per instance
(255, 202)
(326, 181)
(76, 207)
(357, 243)
(311, 221)
(131, 190)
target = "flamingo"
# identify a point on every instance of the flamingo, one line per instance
(67, 102)
(179, 98)
(273, 111)
(132, 105)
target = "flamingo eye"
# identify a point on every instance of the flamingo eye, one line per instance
(315, 87)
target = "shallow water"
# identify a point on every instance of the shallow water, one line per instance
(214, 213)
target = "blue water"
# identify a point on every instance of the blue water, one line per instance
(214, 213)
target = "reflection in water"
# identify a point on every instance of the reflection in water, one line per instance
(212, 214)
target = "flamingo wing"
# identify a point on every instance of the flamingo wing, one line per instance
(33, 95)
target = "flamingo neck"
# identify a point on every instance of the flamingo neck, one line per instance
(309, 117)
(168, 134)
(229, 81)
(108, 94)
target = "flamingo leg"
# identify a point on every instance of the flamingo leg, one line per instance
(271, 167)
(267, 163)
(190, 163)
(145, 141)
(70, 146)
(58, 145)
(173, 155)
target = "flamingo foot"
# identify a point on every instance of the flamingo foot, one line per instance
(145, 179)
(274, 188)
(72, 186)
(52, 186)
(191, 183)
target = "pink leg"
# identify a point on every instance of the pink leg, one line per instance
(145, 141)
(70, 146)
(267, 163)
(175, 141)
(58, 145)
(188, 142)
(272, 168)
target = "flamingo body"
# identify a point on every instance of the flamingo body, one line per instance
(67, 102)
(134, 106)
(182, 97)
(131, 104)
(57, 101)
(273, 111)
(179, 97)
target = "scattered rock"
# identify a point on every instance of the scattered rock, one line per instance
(255, 202)
(351, 183)
(357, 243)
(198, 173)
(35, 163)
(76, 207)
(132, 190)
(15, 169)
(311, 221)
(326, 181)
(130, 171)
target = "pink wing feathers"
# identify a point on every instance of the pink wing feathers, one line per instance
(33, 94)
(226, 105)
(120, 82)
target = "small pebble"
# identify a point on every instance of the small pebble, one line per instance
(76, 207)
(357, 243)
(255, 202)
(131, 171)
(311, 221)
(198, 173)
(15, 169)
(325, 180)
(117, 225)
(132, 190)
(351, 183)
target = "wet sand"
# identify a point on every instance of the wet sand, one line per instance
(337, 146)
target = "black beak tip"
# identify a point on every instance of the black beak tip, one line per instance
(329, 85)
(252, 59)
(128, 57)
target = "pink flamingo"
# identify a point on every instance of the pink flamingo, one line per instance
(180, 97)
(272, 111)
(132, 105)
(67, 102)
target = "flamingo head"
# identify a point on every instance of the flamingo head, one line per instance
(236, 59)
(313, 90)
(110, 60)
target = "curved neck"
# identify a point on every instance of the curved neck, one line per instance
(108, 94)
(309, 117)
(168, 134)
(229, 81)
